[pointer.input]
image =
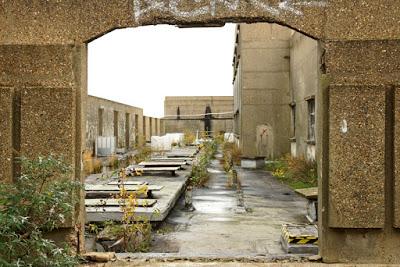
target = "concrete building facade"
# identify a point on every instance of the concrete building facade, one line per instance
(305, 63)
(108, 118)
(112, 119)
(189, 113)
(275, 82)
(262, 89)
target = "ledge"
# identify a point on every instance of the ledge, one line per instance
(310, 142)
(309, 97)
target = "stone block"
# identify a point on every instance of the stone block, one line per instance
(253, 163)
(357, 156)
(6, 132)
(299, 239)
(47, 65)
(363, 62)
(48, 122)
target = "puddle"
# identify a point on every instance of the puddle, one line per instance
(214, 171)
(214, 208)
(222, 219)
(214, 198)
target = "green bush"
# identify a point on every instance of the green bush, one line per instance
(41, 199)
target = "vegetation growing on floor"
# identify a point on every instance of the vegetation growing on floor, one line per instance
(91, 164)
(188, 138)
(133, 233)
(231, 156)
(297, 172)
(143, 154)
(40, 200)
(199, 174)
(113, 162)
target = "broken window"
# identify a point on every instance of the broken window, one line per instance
(311, 118)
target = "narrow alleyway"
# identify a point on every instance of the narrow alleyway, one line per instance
(222, 229)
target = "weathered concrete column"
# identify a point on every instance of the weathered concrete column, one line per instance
(360, 129)
(42, 93)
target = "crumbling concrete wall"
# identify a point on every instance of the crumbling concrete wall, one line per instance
(43, 97)
(192, 110)
(109, 118)
(262, 89)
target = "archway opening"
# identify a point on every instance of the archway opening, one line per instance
(270, 119)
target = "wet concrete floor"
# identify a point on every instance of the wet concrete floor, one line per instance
(221, 228)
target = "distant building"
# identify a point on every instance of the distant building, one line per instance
(213, 114)
(275, 82)
(107, 118)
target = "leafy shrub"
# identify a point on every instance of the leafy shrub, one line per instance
(40, 200)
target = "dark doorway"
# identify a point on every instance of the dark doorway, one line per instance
(207, 121)
(127, 130)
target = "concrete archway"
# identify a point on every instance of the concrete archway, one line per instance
(43, 65)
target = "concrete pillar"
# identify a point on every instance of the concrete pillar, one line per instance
(43, 98)
(359, 196)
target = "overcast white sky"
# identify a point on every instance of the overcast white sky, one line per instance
(141, 66)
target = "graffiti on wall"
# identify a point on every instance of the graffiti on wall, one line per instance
(143, 7)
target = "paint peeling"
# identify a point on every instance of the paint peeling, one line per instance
(143, 7)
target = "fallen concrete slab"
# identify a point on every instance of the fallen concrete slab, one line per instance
(108, 202)
(106, 187)
(182, 153)
(188, 160)
(143, 170)
(166, 198)
(128, 182)
(179, 164)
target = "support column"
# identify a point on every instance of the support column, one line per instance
(357, 216)
(42, 96)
